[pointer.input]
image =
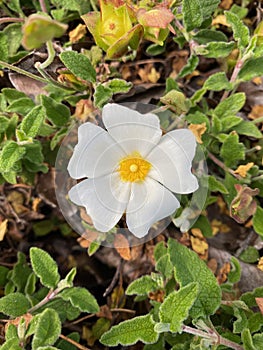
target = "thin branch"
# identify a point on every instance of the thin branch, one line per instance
(23, 72)
(11, 19)
(222, 165)
(43, 6)
(114, 280)
(71, 341)
(233, 78)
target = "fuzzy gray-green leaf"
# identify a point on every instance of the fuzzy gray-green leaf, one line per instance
(231, 105)
(130, 332)
(44, 267)
(142, 286)
(14, 304)
(232, 150)
(175, 308)
(80, 298)
(56, 112)
(79, 65)
(190, 268)
(217, 82)
(10, 155)
(47, 330)
(33, 121)
(240, 30)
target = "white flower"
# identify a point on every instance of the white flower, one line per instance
(131, 169)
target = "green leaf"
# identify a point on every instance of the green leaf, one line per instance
(231, 105)
(216, 186)
(177, 100)
(47, 330)
(218, 49)
(241, 321)
(44, 267)
(164, 266)
(14, 35)
(230, 121)
(251, 69)
(195, 12)
(80, 298)
(257, 221)
(118, 86)
(190, 66)
(190, 268)
(240, 31)
(39, 29)
(34, 152)
(249, 255)
(235, 274)
(22, 105)
(79, 65)
(249, 129)
(12, 94)
(14, 304)
(4, 122)
(57, 113)
(204, 225)
(3, 47)
(12, 344)
(102, 95)
(64, 345)
(20, 273)
(58, 137)
(47, 348)
(175, 308)
(204, 36)
(130, 332)
(33, 121)
(217, 82)
(232, 151)
(247, 340)
(10, 155)
(142, 286)
(250, 297)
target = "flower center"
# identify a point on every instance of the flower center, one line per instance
(134, 168)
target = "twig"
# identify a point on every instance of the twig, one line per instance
(11, 19)
(23, 72)
(43, 5)
(233, 78)
(216, 338)
(83, 318)
(114, 280)
(123, 310)
(222, 165)
(73, 342)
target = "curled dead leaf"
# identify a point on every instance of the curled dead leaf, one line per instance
(121, 244)
(198, 130)
(243, 169)
(77, 33)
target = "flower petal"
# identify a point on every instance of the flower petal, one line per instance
(133, 131)
(149, 202)
(96, 153)
(105, 199)
(172, 161)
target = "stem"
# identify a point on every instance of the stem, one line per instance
(233, 78)
(81, 347)
(215, 337)
(257, 178)
(43, 5)
(229, 343)
(51, 55)
(51, 295)
(10, 19)
(222, 165)
(21, 71)
(93, 5)
(48, 79)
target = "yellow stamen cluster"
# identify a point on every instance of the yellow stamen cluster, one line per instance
(133, 168)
